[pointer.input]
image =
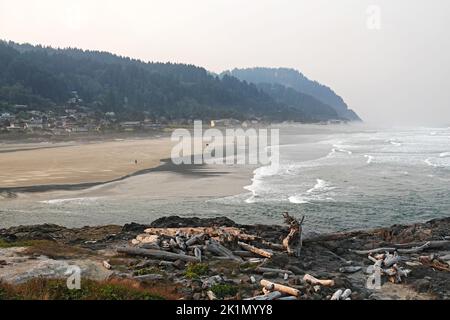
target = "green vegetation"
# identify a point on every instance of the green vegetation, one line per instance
(46, 79)
(196, 270)
(44, 289)
(149, 270)
(224, 290)
(5, 244)
(248, 266)
(291, 87)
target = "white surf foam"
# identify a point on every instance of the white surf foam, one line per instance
(62, 201)
(298, 200)
(320, 186)
(338, 148)
(369, 158)
(431, 164)
(395, 143)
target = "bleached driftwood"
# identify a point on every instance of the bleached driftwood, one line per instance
(145, 238)
(295, 235)
(270, 296)
(180, 243)
(350, 269)
(405, 248)
(157, 254)
(263, 269)
(258, 251)
(210, 231)
(391, 259)
(347, 293)
(198, 254)
(107, 265)
(289, 298)
(217, 248)
(337, 295)
(279, 287)
(195, 239)
(312, 280)
(211, 295)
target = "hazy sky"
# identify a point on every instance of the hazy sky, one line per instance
(396, 67)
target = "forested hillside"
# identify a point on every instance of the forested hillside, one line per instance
(46, 78)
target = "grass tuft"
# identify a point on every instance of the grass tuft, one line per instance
(51, 289)
(224, 290)
(196, 270)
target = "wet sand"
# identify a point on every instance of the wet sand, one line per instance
(29, 165)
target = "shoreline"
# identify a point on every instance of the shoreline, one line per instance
(78, 165)
(325, 256)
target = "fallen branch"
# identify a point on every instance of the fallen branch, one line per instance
(258, 251)
(270, 296)
(392, 249)
(295, 235)
(157, 254)
(314, 281)
(217, 248)
(279, 287)
(263, 270)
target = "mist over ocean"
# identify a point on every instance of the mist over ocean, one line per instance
(340, 177)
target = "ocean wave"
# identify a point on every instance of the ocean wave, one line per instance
(395, 143)
(339, 148)
(444, 155)
(320, 186)
(75, 200)
(369, 158)
(320, 192)
(298, 200)
(431, 164)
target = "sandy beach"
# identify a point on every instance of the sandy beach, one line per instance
(26, 165)
(96, 183)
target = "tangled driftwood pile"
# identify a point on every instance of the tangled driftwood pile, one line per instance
(387, 259)
(199, 244)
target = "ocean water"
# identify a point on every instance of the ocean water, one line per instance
(339, 177)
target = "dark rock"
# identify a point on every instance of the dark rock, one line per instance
(245, 279)
(8, 237)
(134, 227)
(422, 285)
(197, 296)
(178, 222)
(179, 264)
(295, 269)
(196, 286)
(280, 259)
(270, 275)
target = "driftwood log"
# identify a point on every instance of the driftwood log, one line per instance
(294, 238)
(314, 281)
(216, 248)
(406, 248)
(279, 287)
(213, 232)
(157, 254)
(269, 296)
(258, 251)
(263, 270)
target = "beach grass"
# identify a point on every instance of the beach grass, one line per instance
(54, 289)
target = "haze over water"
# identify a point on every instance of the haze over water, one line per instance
(340, 177)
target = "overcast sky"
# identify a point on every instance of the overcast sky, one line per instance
(389, 59)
